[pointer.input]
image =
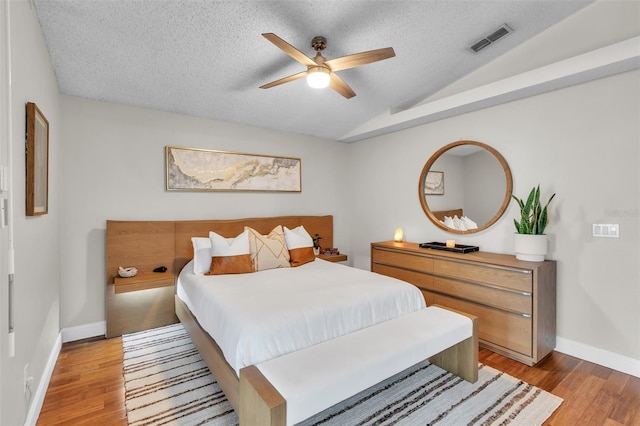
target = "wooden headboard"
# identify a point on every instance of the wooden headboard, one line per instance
(149, 244)
(442, 213)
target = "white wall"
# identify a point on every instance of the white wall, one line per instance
(36, 239)
(583, 143)
(114, 168)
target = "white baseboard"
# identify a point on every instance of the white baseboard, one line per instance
(68, 334)
(79, 332)
(599, 356)
(43, 384)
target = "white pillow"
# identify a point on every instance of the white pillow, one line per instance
(449, 222)
(297, 238)
(469, 223)
(201, 255)
(458, 223)
(221, 246)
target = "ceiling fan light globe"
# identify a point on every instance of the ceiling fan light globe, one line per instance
(318, 78)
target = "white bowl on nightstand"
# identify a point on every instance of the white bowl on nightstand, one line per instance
(127, 272)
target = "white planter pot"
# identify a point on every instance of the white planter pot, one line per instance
(316, 250)
(532, 248)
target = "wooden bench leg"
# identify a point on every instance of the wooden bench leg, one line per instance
(260, 403)
(461, 359)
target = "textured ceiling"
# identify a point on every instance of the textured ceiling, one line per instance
(208, 58)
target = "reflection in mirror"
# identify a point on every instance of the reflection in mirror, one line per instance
(474, 191)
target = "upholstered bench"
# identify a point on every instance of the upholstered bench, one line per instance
(293, 387)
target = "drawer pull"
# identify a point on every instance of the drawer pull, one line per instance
(526, 315)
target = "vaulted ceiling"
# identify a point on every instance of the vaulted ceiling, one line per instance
(207, 58)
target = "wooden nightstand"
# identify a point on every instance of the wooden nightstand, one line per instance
(143, 281)
(146, 300)
(139, 303)
(333, 257)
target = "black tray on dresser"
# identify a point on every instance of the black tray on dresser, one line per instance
(458, 248)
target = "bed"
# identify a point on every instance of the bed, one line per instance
(252, 320)
(384, 298)
(440, 215)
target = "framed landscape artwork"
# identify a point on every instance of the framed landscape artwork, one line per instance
(194, 169)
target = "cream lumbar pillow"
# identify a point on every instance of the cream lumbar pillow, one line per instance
(268, 251)
(300, 245)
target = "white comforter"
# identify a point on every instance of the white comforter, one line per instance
(259, 316)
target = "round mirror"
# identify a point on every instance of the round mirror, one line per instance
(465, 187)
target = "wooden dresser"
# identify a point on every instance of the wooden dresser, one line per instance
(515, 300)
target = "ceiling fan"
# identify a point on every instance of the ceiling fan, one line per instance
(321, 72)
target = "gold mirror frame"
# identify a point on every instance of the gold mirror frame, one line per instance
(432, 160)
(37, 162)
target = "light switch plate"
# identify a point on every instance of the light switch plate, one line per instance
(606, 230)
(4, 178)
(4, 213)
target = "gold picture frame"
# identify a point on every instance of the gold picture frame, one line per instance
(37, 159)
(195, 169)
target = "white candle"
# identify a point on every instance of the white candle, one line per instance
(451, 243)
(398, 236)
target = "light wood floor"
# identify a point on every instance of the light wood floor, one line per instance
(87, 387)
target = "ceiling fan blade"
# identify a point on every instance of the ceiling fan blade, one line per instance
(357, 59)
(289, 49)
(338, 84)
(285, 80)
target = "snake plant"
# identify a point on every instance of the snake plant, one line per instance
(316, 241)
(533, 216)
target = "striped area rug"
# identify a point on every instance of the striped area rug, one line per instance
(167, 382)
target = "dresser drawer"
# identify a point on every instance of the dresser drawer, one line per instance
(508, 300)
(496, 327)
(420, 280)
(514, 279)
(403, 260)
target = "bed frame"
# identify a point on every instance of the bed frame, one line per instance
(451, 213)
(149, 242)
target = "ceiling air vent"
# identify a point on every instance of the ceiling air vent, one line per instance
(491, 38)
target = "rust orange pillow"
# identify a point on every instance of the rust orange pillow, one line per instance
(239, 264)
(302, 255)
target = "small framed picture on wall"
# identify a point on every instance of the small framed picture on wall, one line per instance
(37, 158)
(434, 183)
